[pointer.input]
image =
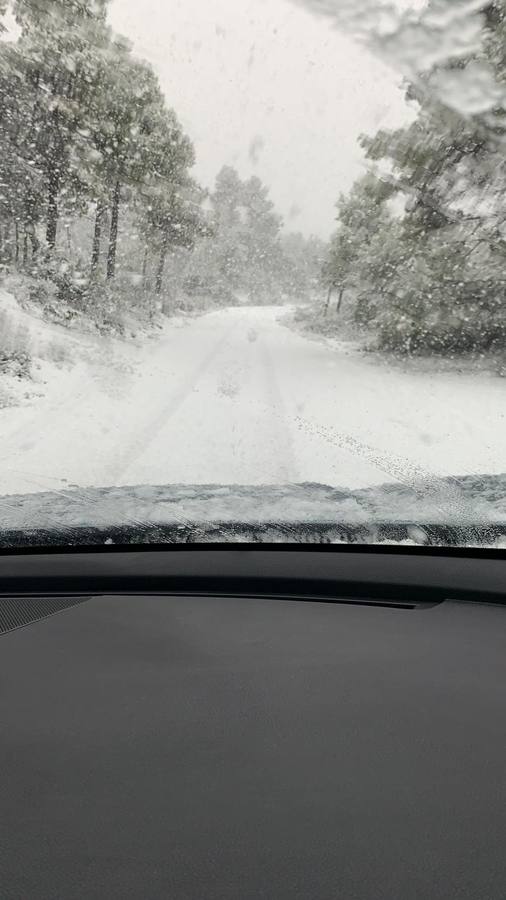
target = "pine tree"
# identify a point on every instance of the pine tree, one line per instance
(59, 56)
(435, 274)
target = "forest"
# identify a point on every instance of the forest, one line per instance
(102, 217)
(418, 259)
(100, 214)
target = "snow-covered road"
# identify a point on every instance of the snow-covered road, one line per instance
(237, 397)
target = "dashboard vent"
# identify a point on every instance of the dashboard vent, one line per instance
(16, 612)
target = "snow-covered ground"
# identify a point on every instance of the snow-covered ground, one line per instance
(236, 397)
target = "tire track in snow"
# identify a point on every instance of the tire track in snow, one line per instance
(148, 433)
(445, 494)
(281, 432)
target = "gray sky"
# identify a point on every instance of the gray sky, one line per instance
(270, 88)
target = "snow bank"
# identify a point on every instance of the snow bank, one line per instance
(36, 355)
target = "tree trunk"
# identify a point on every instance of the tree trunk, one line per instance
(113, 237)
(145, 266)
(339, 300)
(25, 248)
(34, 239)
(7, 244)
(97, 236)
(161, 263)
(52, 208)
(17, 242)
(327, 303)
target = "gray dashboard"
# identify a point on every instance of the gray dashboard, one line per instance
(156, 745)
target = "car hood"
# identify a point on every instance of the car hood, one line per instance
(469, 510)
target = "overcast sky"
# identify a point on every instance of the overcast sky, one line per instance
(270, 88)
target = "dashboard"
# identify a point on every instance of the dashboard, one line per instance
(246, 724)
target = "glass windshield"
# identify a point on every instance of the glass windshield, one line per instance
(252, 271)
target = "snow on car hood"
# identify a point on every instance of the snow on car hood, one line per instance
(469, 510)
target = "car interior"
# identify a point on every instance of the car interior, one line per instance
(252, 450)
(242, 722)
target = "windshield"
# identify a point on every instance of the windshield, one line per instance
(252, 271)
